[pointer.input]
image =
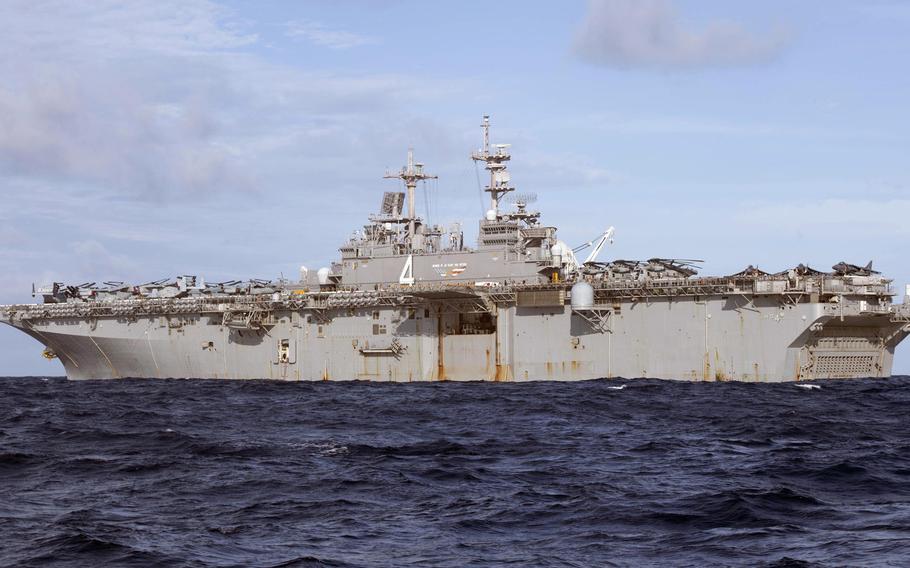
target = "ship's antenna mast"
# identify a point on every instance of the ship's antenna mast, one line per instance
(411, 174)
(496, 165)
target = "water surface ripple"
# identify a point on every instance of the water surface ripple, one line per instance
(216, 473)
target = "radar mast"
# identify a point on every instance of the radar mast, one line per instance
(411, 174)
(495, 156)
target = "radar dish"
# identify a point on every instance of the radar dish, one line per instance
(524, 198)
(392, 203)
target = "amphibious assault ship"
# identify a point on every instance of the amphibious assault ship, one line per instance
(410, 301)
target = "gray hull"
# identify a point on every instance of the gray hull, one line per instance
(712, 338)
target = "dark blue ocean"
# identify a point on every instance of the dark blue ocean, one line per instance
(599, 473)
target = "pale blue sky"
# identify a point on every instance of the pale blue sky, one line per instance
(238, 140)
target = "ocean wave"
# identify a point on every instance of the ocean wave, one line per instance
(209, 473)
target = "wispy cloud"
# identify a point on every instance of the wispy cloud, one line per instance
(157, 132)
(650, 33)
(106, 28)
(565, 170)
(166, 101)
(91, 94)
(111, 133)
(93, 258)
(324, 36)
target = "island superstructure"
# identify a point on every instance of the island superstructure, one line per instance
(410, 301)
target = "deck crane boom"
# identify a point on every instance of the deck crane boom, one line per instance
(601, 241)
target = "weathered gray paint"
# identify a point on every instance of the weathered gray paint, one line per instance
(710, 338)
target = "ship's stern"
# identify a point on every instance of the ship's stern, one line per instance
(852, 346)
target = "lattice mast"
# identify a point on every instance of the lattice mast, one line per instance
(410, 175)
(495, 156)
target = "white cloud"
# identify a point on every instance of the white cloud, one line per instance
(58, 30)
(94, 259)
(650, 33)
(324, 36)
(139, 140)
(165, 101)
(91, 93)
(11, 237)
(561, 171)
(92, 127)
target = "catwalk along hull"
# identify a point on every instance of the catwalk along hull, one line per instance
(710, 338)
